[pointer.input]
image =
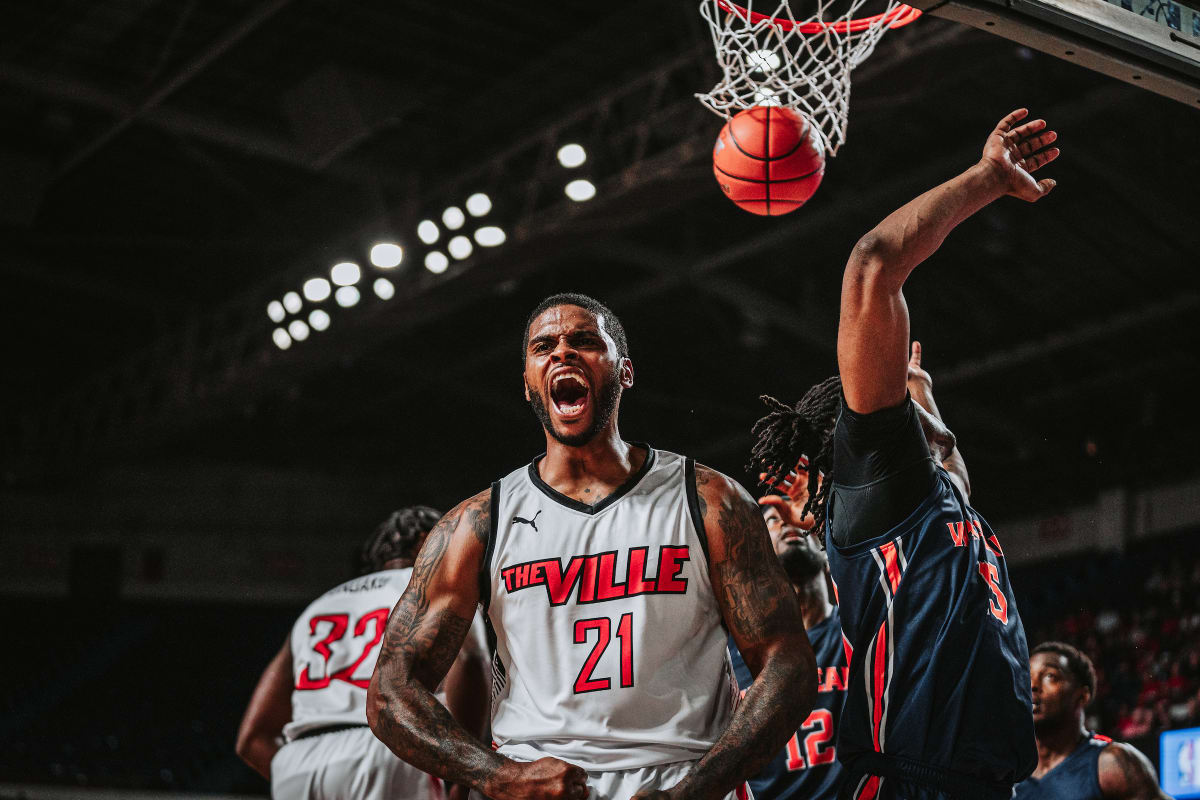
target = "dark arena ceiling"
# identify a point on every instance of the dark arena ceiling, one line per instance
(172, 167)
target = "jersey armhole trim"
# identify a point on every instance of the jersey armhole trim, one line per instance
(485, 568)
(693, 502)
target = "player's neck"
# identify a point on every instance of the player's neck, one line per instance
(605, 462)
(813, 595)
(1055, 745)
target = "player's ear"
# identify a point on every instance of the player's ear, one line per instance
(525, 386)
(626, 373)
(1085, 698)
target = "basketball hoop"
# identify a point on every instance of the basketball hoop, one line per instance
(802, 63)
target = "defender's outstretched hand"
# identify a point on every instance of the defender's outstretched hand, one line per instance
(1014, 152)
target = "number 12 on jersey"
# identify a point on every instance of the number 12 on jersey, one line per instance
(603, 627)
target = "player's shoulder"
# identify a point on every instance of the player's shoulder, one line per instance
(1125, 772)
(712, 485)
(473, 515)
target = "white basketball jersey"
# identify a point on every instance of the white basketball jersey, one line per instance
(335, 643)
(610, 649)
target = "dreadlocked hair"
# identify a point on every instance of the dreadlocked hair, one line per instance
(788, 433)
(398, 536)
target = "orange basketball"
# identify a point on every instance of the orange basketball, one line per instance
(768, 160)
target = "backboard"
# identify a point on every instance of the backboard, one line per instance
(1154, 44)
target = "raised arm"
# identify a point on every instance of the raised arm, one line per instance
(425, 633)
(270, 708)
(873, 331)
(943, 445)
(760, 610)
(1126, 774)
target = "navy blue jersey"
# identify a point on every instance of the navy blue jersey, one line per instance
(808, 766)
(939, 673)
(1076, 777)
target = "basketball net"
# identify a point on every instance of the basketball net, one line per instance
(779, 59)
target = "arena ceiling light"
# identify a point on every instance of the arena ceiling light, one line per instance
(427, 231)
(298, 329)
(571, 155)
(436, 262)
(453, 218)
(281, 339)
(384, 289)
(386, 255)
(318, 319)
(316, 290)
(346, 296)
(291, 301)
(490, 236)
(479, 204)
(346, 273)
(275, 311)
(764, 61)
(581, 190)
(459, 247)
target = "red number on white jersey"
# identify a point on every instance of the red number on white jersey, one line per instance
(339, 624)
(584, 682)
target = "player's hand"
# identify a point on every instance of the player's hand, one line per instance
(919, 381)
(1014, 152)
(544, 779)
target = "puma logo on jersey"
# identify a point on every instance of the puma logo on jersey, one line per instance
(523, 521)
(593, 578)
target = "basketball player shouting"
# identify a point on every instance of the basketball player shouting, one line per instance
(313, 694)
(938, 703)
(606, 570)
(1073, 762)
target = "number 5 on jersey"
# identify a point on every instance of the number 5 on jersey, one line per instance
(603, 627)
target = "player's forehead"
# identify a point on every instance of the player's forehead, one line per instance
(1050, 661)
(564, 319)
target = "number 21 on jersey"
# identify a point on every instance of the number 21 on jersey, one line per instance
(585, 682)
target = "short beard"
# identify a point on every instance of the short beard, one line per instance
(802, 564)
(606, 404)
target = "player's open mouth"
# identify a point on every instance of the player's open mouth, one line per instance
(569, 394)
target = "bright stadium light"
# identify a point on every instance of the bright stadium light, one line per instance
(275, 311)
(316, 290)
(298, 329)
(479, 204)
(766, 97)
(346, 273)
(453, 218)
(386, 255)
(764, 61)
(490, 236)
(291, 301)
(427, 231)
(459, 247)
(281, 338)
(346, 296)
(384, 289)
(318, 319)
(571, 155)
(436, 262)
(581, 190)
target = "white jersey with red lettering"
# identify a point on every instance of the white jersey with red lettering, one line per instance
(610, 648)
(335, 643)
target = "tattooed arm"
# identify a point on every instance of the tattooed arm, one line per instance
(425, 632)
(1126, 774)
(760, 609)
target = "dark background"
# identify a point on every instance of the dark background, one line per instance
(169, 168)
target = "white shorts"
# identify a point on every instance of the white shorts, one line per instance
(622, 784)
(350, 764)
